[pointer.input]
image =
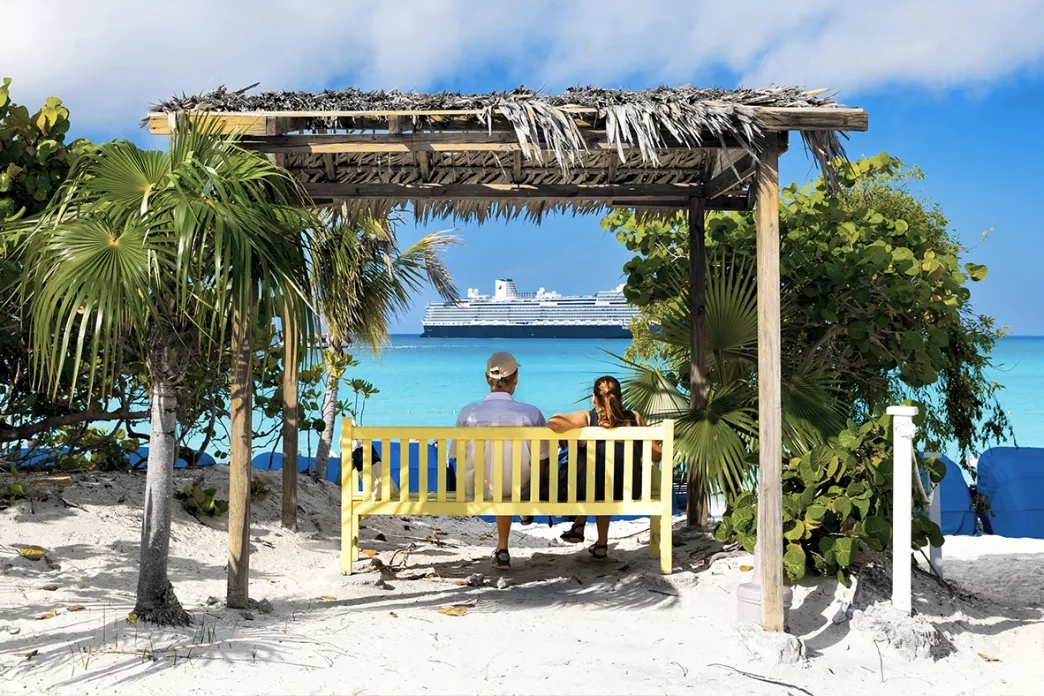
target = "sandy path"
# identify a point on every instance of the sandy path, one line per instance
(564, 624)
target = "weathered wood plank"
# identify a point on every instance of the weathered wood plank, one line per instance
(774, 118)
(243, 124)
(770, 433)
(731, 178)
(505, 191)
(697, 304)
(813, 118)
(696, 498)
(441, 142)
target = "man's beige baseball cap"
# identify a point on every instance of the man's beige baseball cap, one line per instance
(501, 365)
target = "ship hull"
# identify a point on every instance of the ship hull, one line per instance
(525, 331)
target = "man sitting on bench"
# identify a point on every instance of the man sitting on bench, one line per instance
(499, 408)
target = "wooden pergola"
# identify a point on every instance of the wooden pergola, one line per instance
(473, 157)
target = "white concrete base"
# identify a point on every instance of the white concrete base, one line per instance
(772, 647)
(748, 596)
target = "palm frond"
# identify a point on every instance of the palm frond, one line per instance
(138, 238)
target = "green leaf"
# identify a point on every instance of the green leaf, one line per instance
(843, 550)
(793, 530)
(794, 561)
(976, 271)
(850, 439)
(878, 531)
(816, 512)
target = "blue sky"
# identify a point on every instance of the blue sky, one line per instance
(955, 87)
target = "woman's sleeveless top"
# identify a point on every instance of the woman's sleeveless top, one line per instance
(618, 463)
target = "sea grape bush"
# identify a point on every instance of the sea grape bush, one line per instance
(836, 504)
(34, 157)
(873, 288)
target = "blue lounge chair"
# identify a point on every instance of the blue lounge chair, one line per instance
(1012, 480)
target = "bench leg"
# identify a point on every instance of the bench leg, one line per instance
(654, 537)
(355, 537)
(349, 542)
(666, 534)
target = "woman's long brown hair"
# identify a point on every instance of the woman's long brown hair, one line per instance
(609, 403)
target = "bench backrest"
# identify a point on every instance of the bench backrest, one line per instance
(452, 442)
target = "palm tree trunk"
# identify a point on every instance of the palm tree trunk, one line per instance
(289, 512)
(156, 601)
(322, 454)
(238, 595)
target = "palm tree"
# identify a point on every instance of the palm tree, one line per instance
(361, 280)
(717, 444)
(162, 249)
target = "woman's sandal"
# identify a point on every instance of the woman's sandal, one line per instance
(573, 536)
(594, 548)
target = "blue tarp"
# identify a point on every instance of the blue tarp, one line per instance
(270, 461)
(958, 518)
(1012, 479)
(140, 456)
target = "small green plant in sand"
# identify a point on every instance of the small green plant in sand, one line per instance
(199, 501)
(259, 492)
(17, 488)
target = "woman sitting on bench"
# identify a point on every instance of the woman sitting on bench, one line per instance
(608, 412)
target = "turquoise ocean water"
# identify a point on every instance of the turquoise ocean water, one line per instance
(426, 381)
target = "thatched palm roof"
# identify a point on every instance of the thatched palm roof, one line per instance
(522, 152)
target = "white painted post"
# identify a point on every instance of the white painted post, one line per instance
(902, 503)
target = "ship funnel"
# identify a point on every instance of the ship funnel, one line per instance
(505, 289)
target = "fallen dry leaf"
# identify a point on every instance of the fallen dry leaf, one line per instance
(76, 607)
(28, 655)
(51, 482)
(368, 552)
(988, 658)
(746, 569)
(33, 553)
(457, 610)
(49, 615)
(328, 598)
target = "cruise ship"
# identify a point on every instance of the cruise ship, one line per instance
(512, 314)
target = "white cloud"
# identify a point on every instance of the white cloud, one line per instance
(108, 59)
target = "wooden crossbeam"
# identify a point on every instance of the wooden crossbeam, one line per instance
(739, 202)
(548, 192)
(503, 141)
(774, 118)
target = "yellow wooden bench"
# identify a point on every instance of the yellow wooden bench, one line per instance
(653, 500)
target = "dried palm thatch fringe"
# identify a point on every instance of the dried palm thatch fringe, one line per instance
(551, 141)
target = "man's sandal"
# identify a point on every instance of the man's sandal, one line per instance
(573, 536)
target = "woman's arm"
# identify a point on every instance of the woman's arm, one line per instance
(562, 422)
(657, 451)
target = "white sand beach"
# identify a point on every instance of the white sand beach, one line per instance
(557, 622)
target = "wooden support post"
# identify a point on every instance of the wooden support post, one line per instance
(696, 487)
(770, 432)
(239, 466)
(290, 433)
